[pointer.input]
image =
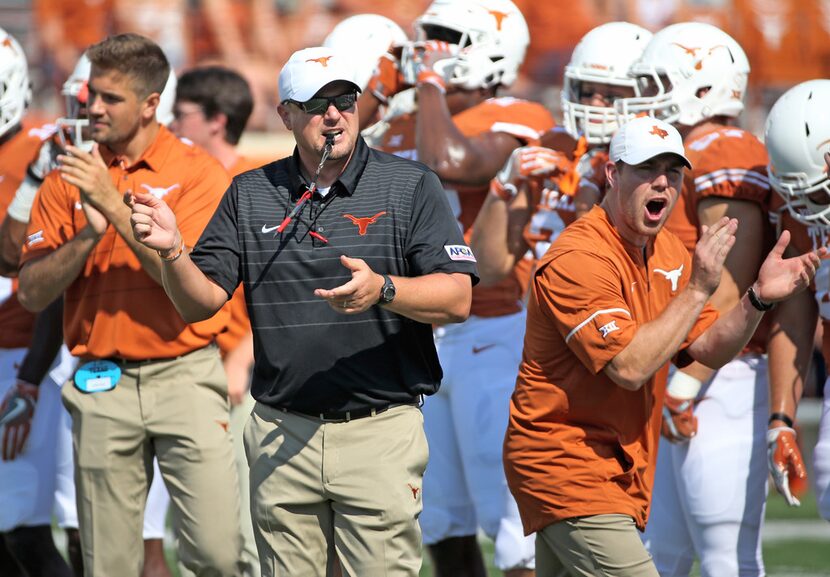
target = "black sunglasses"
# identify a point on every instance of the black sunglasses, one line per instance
(320, 104)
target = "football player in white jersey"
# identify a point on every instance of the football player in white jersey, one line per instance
(710, 483)
(29, 392)
(797, 136)
(544, 188)
(464, 52)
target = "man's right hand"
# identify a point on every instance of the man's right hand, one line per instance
(710, 253)
(153, 222)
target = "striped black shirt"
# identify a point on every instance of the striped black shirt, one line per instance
(390, 212)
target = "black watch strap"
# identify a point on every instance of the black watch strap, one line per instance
(757, 302)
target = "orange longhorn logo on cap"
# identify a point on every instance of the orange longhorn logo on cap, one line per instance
(324, 60)
(657, 131)
(499, 16)
(7, 42)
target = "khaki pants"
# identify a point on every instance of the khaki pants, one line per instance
(176, 410)
(599, 546)
(351, 489)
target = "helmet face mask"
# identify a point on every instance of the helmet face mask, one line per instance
(688, 73)
(488, 39)
(797, 136)
(74, 126)
(595, 68)
(15, 89)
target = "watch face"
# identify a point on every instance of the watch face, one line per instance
(387, 293)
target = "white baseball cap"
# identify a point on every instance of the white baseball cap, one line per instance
(310, 69)
(645, 137)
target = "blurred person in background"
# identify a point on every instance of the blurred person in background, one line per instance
(30, 373)
(213, 104)
(544, 188)
(465, 53)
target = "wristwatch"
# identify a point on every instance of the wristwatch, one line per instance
(387, 291)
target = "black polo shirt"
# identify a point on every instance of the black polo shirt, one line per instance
(390, 212)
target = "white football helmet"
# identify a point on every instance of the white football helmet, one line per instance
(689, 72)
(490, 37)
(367, 37)
(76, 95)
(603, 56)
(797, 135)
(15, 90)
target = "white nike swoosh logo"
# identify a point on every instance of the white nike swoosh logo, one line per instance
(266, 229)
(14, 410)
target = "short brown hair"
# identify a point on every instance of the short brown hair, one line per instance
(135, 56)
(218, 90)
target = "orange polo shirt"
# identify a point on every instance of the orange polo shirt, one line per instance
(16, 323)
(577, 444)
(113, 308)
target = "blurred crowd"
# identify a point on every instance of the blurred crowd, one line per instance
(787, 41)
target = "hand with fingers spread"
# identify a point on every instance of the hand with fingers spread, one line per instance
(779, 278)
(153, 222)
(710, 254)
(357, 295)
(89, 172)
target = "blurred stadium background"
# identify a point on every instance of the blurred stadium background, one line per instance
(787, 41)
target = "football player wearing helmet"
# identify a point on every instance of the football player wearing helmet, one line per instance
(797, 137)
(710, 485)
(29, 398)
(542, 189)
(464, 51)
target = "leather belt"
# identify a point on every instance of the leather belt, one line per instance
(351, 415)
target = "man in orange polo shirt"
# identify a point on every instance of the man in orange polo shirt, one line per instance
(613, 301)
(149, 383)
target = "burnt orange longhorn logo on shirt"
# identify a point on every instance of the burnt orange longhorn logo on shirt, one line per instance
(657, 131)
(322, 60)
(364, 222)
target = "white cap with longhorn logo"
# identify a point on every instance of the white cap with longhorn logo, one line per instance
(643, 138)
(310, 69)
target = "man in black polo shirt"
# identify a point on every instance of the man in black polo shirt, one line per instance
(341, 295)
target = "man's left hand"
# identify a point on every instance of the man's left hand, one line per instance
(16, 415)
(785, 464)
(90, 174)
(779, 278)
(359, 294)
